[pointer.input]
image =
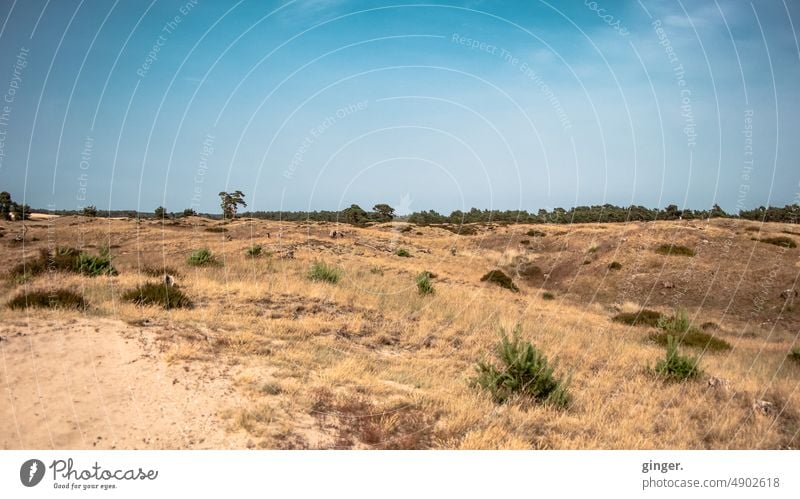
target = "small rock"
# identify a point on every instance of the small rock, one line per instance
(668, 284)
(763, 407)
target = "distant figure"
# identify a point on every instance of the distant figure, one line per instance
(169, 281)
(335, 233)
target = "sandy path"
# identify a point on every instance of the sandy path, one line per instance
(100, 383)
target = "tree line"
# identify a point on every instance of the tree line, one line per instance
(355, 215)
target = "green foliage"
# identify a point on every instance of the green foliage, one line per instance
(521, 370)
(201, 257)
(794, 354)
(535, 233)
(94, 266)
(217, 230)
(675, 367)
(189, 212)
(402, 252)
(90, 211)
(783, 241)
(321, 271)
(158, 295)
(424, 284)
(254, 251)
(547, 295)
(59, 298)
(680, 328)
(64, 259)
(383, 213)
(643, 317)
(354, 215)
(229, 202)
(614, 266)
(160, 213)
(501, 279)
(670, 249)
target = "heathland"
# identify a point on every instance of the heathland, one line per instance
(666, 334)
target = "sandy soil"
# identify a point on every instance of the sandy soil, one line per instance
(100, 383)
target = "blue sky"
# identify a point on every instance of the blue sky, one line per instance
(313, 104)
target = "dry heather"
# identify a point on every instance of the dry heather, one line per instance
(268, 358)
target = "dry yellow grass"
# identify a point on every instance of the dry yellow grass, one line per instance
(368, 363)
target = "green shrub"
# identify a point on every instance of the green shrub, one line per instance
(201, 257)
(402, 252)
(794, 354)
(320, 271)
(158, 295)
(525, 242)
(669, 249)
(254, 251)
(501, 279)
(94, 266)
(424, 284)
(59, 298)
(643, 317)
(535, 233)
(675, 367)
(783, 241)
(521, 370)
(680, 328)
(547, 295)
(614, 266)
(64, 259)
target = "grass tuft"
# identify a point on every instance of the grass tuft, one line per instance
(643, 317)
(670, 249)
(59, 298)
(402, 252)
(321, 271)
(161, 295)
(680, 328)
(783, 241)
(614, 266)
(547, 295)
(254, 251)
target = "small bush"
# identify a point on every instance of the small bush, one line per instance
(547, 295)
(321, 271)
(614, 266)
(783, 241)
(794, 354)
(158, 295)
(643, 317)
(64, 259)
(593, 249)
(669, 249)
(522, 370)
(60, 298)
(525, 242)
(402, 252)
(94, 266)
(501, 279)
(216, 229)
(254, 251)
(680, 328)
(201, 257)
(424, 284)
(535, 233)
(675, 367)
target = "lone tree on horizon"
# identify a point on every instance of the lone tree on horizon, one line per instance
(383, 212)
(230, 202)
